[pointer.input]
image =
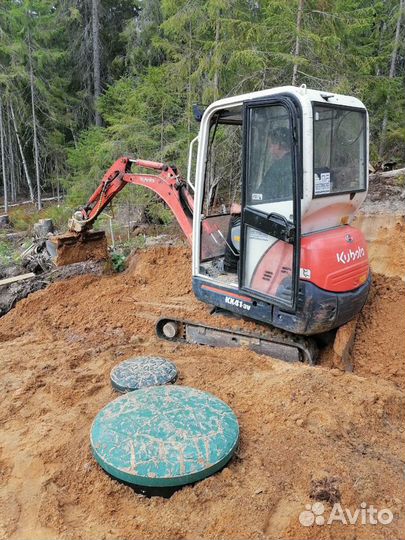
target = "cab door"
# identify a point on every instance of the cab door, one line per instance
(272, 175)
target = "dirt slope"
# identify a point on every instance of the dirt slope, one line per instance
(307, 434)
(385, 235)
(379, 346)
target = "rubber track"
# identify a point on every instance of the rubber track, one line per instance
(308, 350)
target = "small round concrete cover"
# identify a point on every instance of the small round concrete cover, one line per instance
(141, 372)
(164, 436)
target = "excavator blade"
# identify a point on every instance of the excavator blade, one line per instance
(74, 247)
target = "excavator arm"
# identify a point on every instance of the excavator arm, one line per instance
(81, 243)
(165, 182)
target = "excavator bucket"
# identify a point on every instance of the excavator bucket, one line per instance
(74, 247)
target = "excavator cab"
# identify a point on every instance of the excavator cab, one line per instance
(277, 178)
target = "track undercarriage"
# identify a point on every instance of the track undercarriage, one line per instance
(269, 341)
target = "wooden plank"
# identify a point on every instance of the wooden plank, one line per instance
(13, 279)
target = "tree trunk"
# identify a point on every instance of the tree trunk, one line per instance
(297, 41)
(95, 8)
(189, 67)
(391, 76)
(216, 73)
(34, 123)
(3, 159)
(13, 190)
(162, 117)
(24, 162)
(380, 45)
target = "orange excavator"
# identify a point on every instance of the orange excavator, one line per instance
(272, 186)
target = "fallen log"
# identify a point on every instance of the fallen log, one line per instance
(45, 199)
(396, 173)
(13, 279)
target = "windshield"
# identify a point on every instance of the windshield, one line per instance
(339, 150)
(269, 161)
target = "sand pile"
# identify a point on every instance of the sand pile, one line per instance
(307, 433)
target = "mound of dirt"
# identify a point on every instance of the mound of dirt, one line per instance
(11, 294)
(307, 434)
(379, 345)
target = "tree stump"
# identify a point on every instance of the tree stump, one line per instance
(43, 227)
(4, 221)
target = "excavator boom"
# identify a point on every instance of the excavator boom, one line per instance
(81, 243)
(167, 184)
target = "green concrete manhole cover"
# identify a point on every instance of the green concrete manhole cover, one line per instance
(164, 436)
(142, 371)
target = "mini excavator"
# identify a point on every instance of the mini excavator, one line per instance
(274, 180)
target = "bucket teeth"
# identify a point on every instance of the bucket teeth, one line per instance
(72, 247)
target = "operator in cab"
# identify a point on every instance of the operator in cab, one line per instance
(276, 184)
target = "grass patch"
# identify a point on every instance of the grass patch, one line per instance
(8, 253)
(24, 217)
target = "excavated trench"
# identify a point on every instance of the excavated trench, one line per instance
(307, 434)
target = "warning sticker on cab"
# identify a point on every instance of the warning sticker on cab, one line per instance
(322, 183)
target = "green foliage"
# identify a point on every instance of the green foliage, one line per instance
(58, 213)
(396, 144)
(9, 253)
(124, 249)
(118, 262)
(161, 56)
(6, 251)
(33, 45)
(24, 217)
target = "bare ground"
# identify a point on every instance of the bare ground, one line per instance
(307, 433)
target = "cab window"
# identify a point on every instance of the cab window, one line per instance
(339, 150)
(221, 205)
(270, 161)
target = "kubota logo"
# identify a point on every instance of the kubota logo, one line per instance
(349, 238)
(350, 255)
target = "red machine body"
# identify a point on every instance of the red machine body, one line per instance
(335, 260)
(277, 177)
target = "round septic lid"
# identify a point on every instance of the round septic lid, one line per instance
(142, 371)
(164, 436)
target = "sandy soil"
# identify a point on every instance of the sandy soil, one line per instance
(385, 234)
(307, 434)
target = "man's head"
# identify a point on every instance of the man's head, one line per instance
(279, 142)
